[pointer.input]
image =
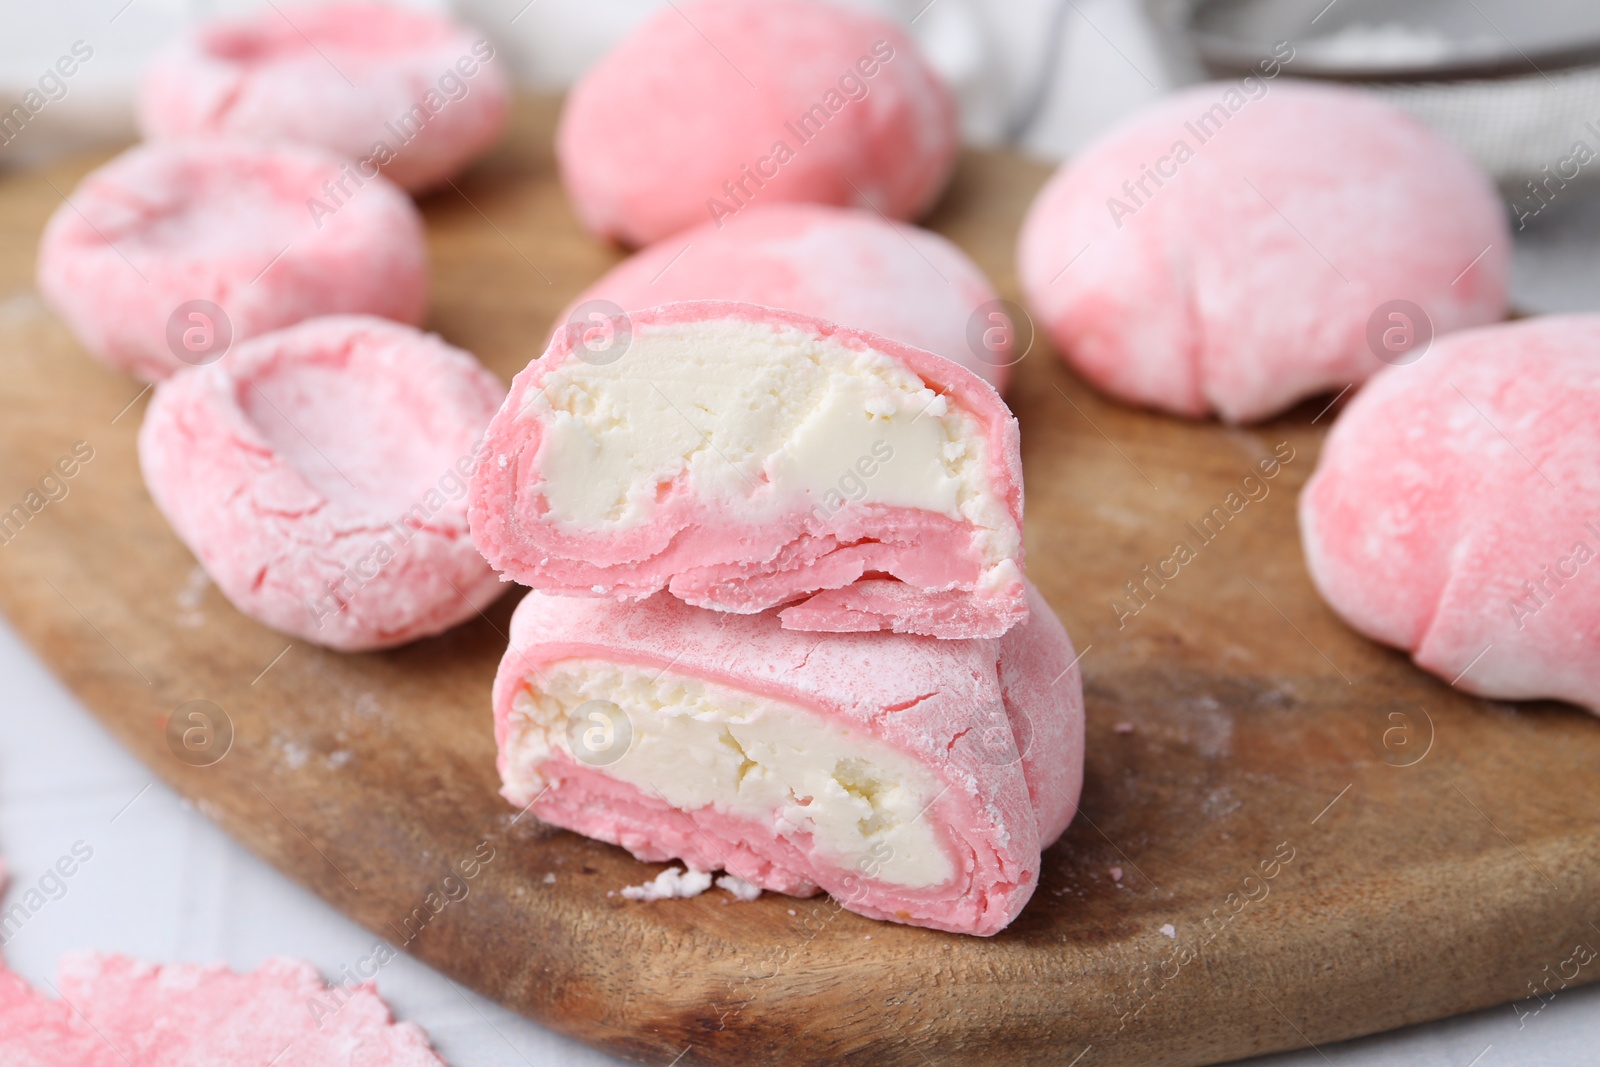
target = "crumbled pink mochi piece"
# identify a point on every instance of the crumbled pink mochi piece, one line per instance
(113, 1011)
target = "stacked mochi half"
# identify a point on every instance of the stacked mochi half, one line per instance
(779, 625)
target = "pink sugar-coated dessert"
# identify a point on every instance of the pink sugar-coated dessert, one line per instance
(117, 1012)
(1224, 250)
(165, 225)
(913, 779)
(319, 475)
(407, 92)
(1455, 512)
(744, 458)
(842, 265)
(710, 106)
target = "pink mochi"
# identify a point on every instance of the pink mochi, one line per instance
(1224, 250)
(712, 105)
(1455, 512)
(319, 475)
(998, 725)
(407, 91)
(838, 264)
(835, 558)
(165, 225)
(117, 1012)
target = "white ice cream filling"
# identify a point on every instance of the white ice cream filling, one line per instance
(770, 419)
(697, 744)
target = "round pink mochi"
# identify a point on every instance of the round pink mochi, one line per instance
(408, 92)
(1226, 249)
(319, 474)
(1455, 512)
(713, 105)
(840, 265)
(170, 252)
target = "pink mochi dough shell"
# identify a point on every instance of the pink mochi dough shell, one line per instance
(226, 222)
(319, 476)
(1455, 512)
(1241, 275)
(118, 1012)
(828, 571)
(841, 265)
(683, 120)
(345, 77)
(999, 723)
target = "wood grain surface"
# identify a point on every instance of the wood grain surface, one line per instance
(1428, 853)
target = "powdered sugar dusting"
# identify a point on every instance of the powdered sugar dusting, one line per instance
(190, 596)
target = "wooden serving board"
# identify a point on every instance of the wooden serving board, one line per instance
(1428, 853)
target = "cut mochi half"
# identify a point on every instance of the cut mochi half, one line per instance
(744, 458)
(915, 780)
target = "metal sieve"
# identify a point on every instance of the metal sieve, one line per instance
(1516, 83)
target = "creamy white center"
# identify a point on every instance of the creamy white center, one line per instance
(697, 744)
(768, 418)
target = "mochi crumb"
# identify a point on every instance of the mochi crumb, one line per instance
(672, 883)
(738, 887)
